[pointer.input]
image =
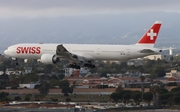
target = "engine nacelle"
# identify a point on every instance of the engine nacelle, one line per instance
(49, 59)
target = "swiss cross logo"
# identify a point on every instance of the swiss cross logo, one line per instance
(151, 34)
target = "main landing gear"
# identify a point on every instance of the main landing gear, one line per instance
(88, 65)
(74, 65)
(16, 61)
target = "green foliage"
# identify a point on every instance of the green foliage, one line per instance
(61, 76)
(148, 97)
(177, 89)
(167, 98)
(123, 95)
(53, 82)
(48, 68)
(17, 98)
(177, 99)
(126, 97)
(163, 91)
(3, 96)
(172, 84)
(27, 99)
(44, 88)
(54, 99)
(30, 77)
(67, 90)
(68, 99)
(63, 83)
(39, 97)
(158, 71)
(136, 96)
(115, 96)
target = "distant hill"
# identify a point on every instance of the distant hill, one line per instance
(124, 28)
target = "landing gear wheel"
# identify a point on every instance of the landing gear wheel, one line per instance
(89, 65)
(16, 62)
(74, 65)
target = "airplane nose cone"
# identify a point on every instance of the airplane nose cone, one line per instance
(6, 52)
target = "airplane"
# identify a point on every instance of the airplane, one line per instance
(86, 53)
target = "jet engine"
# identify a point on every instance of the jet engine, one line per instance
(49, 59)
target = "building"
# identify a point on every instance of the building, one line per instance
(86, 82)
(76, 72)
(28, 86)
(159, 56)
(173, 73)
(175, 79)
(12, 71)
(27, 70)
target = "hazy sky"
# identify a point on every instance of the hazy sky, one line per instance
(56, 8)
(86, 21)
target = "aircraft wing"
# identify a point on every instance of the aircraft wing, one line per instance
(61, 51)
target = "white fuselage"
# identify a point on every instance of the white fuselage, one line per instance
(88, 51)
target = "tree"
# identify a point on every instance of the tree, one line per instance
(61, 76)
(156, 95)
(167, 97)
(3, 96)
(64, 83)
(68, 99)
(44, 88)
(48, 68)
(115, 96)
(136, 96)
(142, 86)
(177, 89)
(126, 97)
(38, 97)
(53, 83)
(148, 97)
(27, 99)
(67, 90)
(158, 71)
(17, 98)
(177, 100)
(31, 77)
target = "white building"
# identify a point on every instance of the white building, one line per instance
(29, 86)
(173, 73)
(14, 72)
(156, 57)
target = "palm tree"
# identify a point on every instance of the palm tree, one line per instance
(142, 85)
(156, 95)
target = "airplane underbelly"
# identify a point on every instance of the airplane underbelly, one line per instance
(29, 56)
(111, 56)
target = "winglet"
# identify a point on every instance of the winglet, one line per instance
(149, 38)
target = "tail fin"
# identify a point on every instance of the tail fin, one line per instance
(149, 38)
